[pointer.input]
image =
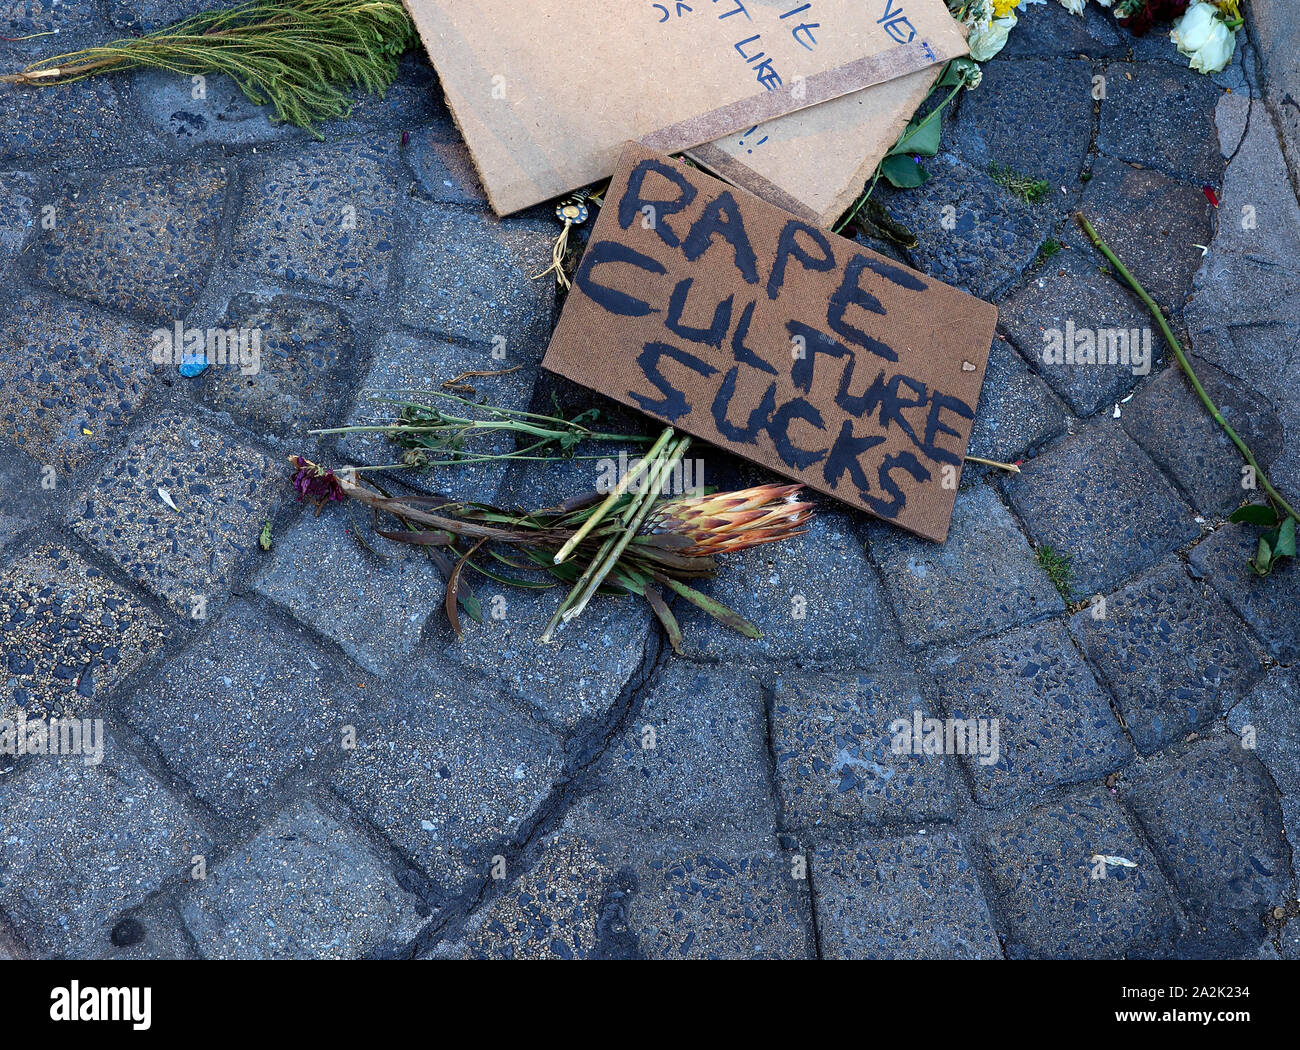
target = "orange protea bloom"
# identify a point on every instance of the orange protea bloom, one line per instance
(731, 521)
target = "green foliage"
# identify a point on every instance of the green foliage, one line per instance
(1047, 249)
(1276, 543)
(299, 56)
(1057, 566)
(1028, 189)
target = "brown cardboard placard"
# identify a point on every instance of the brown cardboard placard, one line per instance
(546, 92)
(733, 320)
(815, 162)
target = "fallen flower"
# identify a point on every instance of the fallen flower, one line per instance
(1203, 35)
(314, 484)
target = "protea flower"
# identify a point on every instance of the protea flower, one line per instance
(731, 521)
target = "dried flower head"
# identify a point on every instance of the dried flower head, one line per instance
(731, 521)
(315, 484)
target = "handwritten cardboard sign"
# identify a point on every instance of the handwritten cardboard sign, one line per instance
(547, 91)
(737, 322)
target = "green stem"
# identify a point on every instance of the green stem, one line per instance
(1186, 365)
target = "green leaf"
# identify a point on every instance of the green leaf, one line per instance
(903, 172)
(714, 608)
(1260, 514)
(1285, 547)
(920, 137)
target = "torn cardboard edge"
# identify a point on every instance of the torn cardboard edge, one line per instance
(727, 317)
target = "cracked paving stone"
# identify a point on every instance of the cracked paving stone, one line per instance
(81, 842)
(709, 906)
(1159, 115)
(816, 600)
(691, 768)
(64, 398)
(81, 126)
(575, 678)
(1213, 814)
(1268, 720)
(1054, 723)
(483, 291)
(1173, 656)
(18, 210)
(1160, 248)
(1099, 500)
(444, 169)
(154, 931)
(1050, 31)
(407, 364)
(244, 707)
(836, 767)
(138, 240)
(915, 897)
(1060, 903)
(305, 887)
(1168, 420)
(1069, 306)
(993, 124)
(1017, 412)
(53, 25)
(324, 216)
(224, 116)
(297, 376)
(188, 557)
(983, 579)
(1267, 603)
(994, 238)
(68, 635)
(373, 609)
(447, 772)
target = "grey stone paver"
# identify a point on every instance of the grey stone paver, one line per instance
(79, 843)
(1168, 420)
(222, 492)
(137, 240)
(983, 579)
(1267, 604)
(602, 797)
(1016, 412)
(297, 376)
(233, 719)
(1055, 321)
(837, 768)
(816, 601)
(326, 217)
(1214, 815)
(1054, 724)
(1099, 500)
(1060, 902)
(691, 767)
(1173, 656)
(305, 887)
(915, 897)
(68, 635)
(446, 770)
(372, 602)
(68, 400)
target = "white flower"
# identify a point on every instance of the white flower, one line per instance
(985, 43)
(1105, 3)
(1204, 38)
(1075, 7)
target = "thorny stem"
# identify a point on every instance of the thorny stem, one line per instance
(1186, 365)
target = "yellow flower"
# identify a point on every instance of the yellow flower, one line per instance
(1002, 8)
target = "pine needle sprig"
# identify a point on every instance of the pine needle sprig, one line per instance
(299, 56)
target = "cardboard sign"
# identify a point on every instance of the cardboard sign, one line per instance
(547, 91)
(739, 323)
(814, 163)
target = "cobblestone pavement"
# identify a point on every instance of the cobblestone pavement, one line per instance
(301, 760)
